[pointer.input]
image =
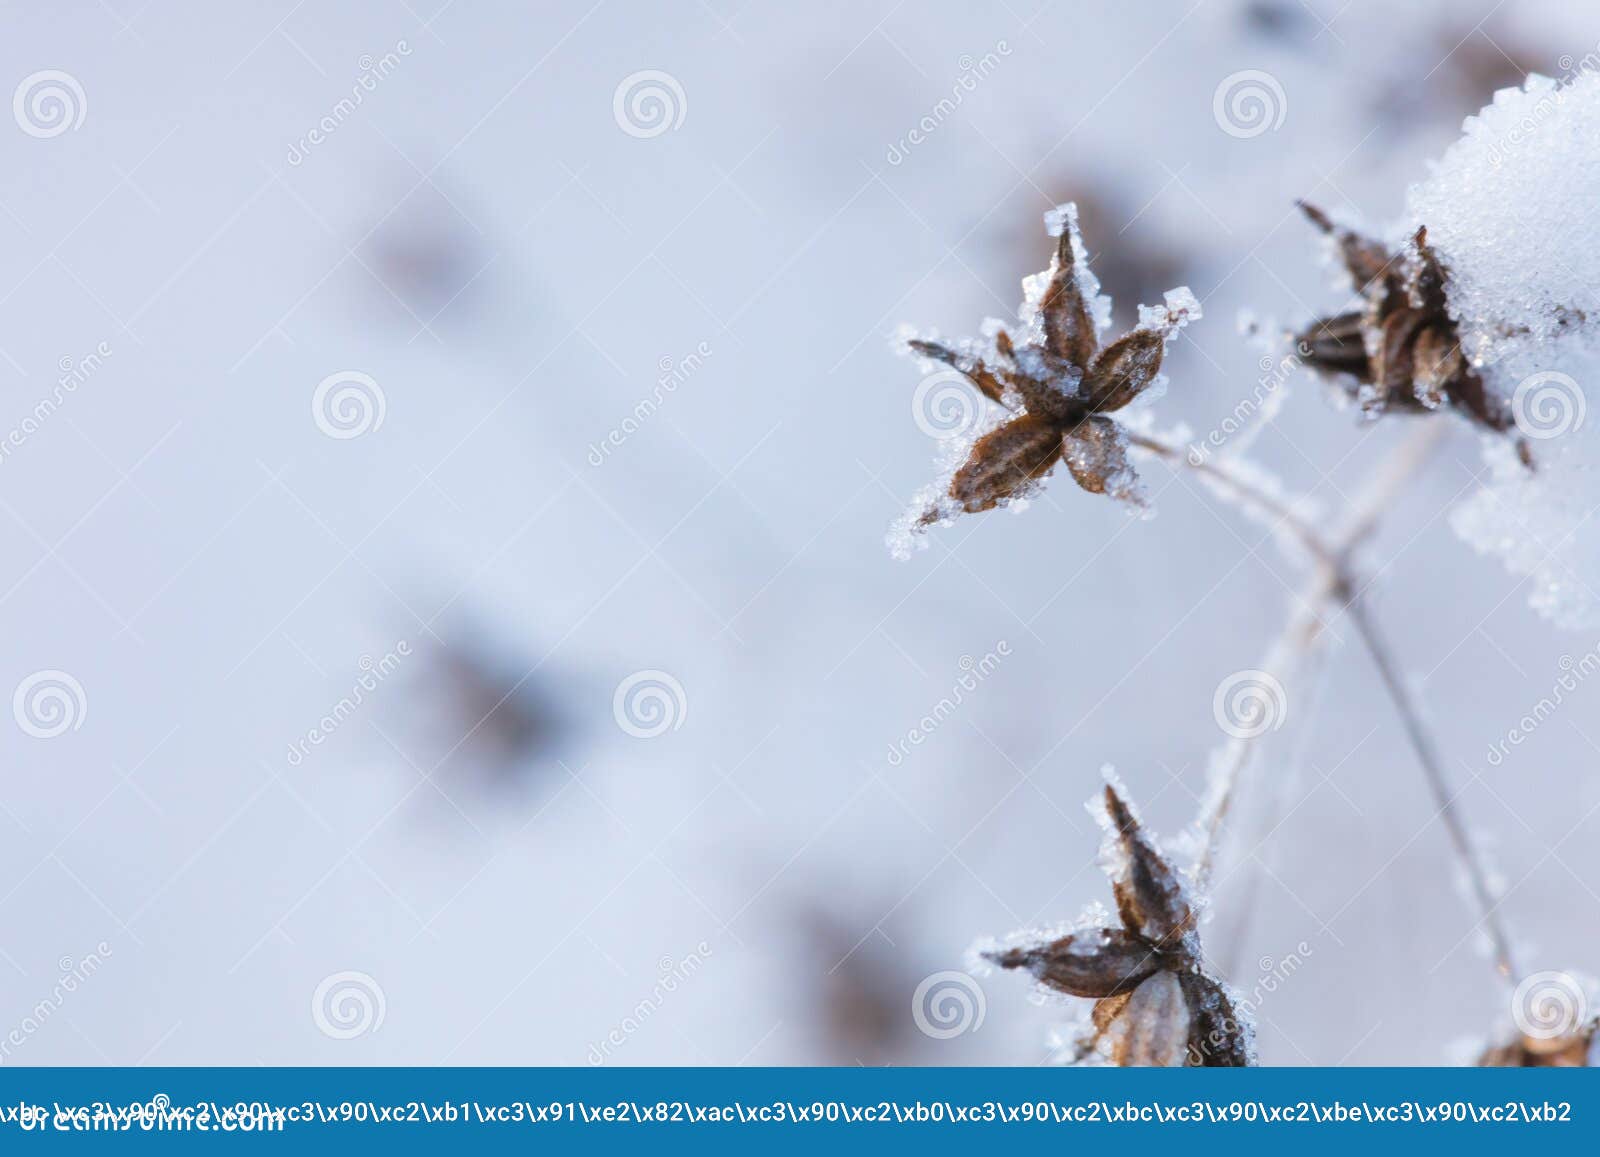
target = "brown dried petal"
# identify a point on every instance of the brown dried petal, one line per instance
(1335, 345)
(1106, 1011)
(1068, 329)
(1005, 462)
(1392, 370)
(1467, 391)
(1525, 1052)
(1149, 895)
(1153, 1027)
(1367, 260)
(987, 379)
(1425, 278)
(1096, 451)
(1123, 370)
(1097, 962)
(1436, 362)
(1047, 401)
(1219, 1037)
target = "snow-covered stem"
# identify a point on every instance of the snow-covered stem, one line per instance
(1310, 676)
(1243, 488)
(1288, 652)
(1405, 461)
(1335, 581)
(1297, 644)
(1427, 751)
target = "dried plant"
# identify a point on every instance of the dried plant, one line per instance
(1526, 1051)
(1397, 349)
(1148, 258)
(1155, 1003)
(1057, 384)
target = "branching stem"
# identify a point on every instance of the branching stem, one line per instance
(1335, 582)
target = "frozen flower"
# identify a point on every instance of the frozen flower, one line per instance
(1155, 1002)
(1058, 385)
(1400, 350)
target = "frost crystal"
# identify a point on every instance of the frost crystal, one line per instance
(1509, 211)
(1155, 1001)
(1056, 381)
(1541, 523)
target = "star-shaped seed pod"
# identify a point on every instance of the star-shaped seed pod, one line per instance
(1056, 382)
(1573, 1050)
(1155, 1002)
(1400, 351)
(1551, 1026)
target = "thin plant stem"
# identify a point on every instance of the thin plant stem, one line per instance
(1335, 582)
(1294, 643)
(1312, 680)
(1246, 490)
(1427, 751)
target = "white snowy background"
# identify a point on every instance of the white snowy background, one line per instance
(483, 239)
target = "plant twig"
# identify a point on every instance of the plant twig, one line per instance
(1427, 751)
(1246, 490)
(1335, 581)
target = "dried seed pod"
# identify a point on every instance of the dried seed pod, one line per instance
(1401, 350)
(1153, 1027)
(1155, 1003)
(1058, 384)
(1530, 1052)
(1097, 962)
(1150, 897)
(1551, 1025)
